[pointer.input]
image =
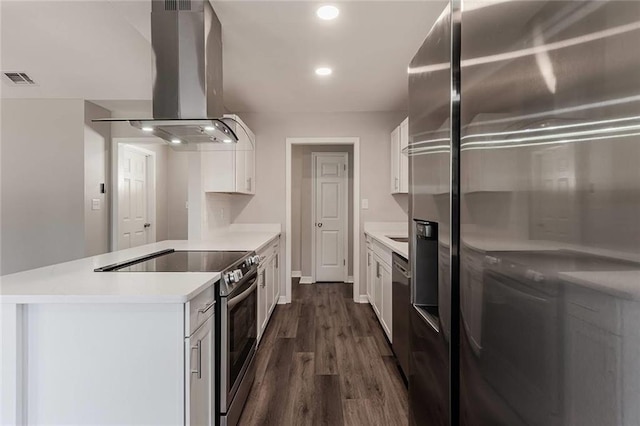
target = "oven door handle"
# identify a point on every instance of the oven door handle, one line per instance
(239, 298)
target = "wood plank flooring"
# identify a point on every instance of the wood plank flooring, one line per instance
(324, 360)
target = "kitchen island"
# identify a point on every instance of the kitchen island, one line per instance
(85, 347)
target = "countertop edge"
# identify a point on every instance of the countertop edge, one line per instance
(381, 238)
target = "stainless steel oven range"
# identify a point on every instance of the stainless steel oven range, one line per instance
(236, 324)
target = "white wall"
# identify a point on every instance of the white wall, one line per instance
(373, 129)
(177, 186)
(42, 182)
(97, 147)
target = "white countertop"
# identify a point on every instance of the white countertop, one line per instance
(381, 231)
(76, 281)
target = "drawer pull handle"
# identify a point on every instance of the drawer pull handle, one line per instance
(206, 308)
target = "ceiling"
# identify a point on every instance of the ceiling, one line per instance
(100, 50)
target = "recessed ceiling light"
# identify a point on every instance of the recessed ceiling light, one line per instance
(176, 141)
(226, 140)
(147, 129)
(327, 12)
(324, 71)
(209, 128)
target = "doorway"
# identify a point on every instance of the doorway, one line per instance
(330, 216)
(340, 255)
(134, 201)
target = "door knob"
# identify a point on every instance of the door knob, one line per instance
(319, 225)
(147, 225)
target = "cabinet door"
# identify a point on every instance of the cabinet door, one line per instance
(262, 299)
(370, 268)
(276, 278)
(241, 168)
(377, 289)
(387, 302)
(250, 171)
(200, 392)
(218, 171)
(404, 159)
(271, 284)
(395, 160)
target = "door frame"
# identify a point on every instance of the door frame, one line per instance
(116, 151)
(357, 262)
(345, 235)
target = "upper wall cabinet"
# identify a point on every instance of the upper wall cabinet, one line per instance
(400, 161)
(231, 171)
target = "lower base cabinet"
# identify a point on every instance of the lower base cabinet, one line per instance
(268, 284)
(379, 285)
(199, 370)
(113, 363)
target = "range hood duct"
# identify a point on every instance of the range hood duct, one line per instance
(186, 37)
(188, 108)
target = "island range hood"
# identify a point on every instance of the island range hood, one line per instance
(188, 110)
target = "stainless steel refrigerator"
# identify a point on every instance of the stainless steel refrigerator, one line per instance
(524, 151)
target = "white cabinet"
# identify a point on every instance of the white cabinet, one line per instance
(370, 271)
(399, 160)
(200, 380)
(262, 299)
(387, 301)
(379, 284)
(404, 158)
(231, 169)
(395, 160)
(268, 284)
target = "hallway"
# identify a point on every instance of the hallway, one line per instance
(324, 360)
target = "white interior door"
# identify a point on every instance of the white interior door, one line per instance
(330, 218)
(133, 211)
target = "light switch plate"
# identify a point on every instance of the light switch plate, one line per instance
(95, 204)
(365, 203)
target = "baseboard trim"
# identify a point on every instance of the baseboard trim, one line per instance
(296, 274)
(283, 300)
(363, 299)
(349, 279)
(306, 280)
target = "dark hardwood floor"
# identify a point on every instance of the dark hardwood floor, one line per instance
(324, 360)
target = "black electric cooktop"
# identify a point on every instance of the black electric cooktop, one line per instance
(179, 261)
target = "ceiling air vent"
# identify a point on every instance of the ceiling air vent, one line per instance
(19, 78)
(177, 4)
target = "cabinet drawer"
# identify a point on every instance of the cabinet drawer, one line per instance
(199, 309)
(595, 308)
(382, 251)
(272, 249)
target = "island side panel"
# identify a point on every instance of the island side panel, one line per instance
(11, 372)
(105, 364)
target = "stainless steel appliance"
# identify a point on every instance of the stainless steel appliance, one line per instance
(237, 327)
(523, 123)
(188, 106)
(429, 210)
(401, 298)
